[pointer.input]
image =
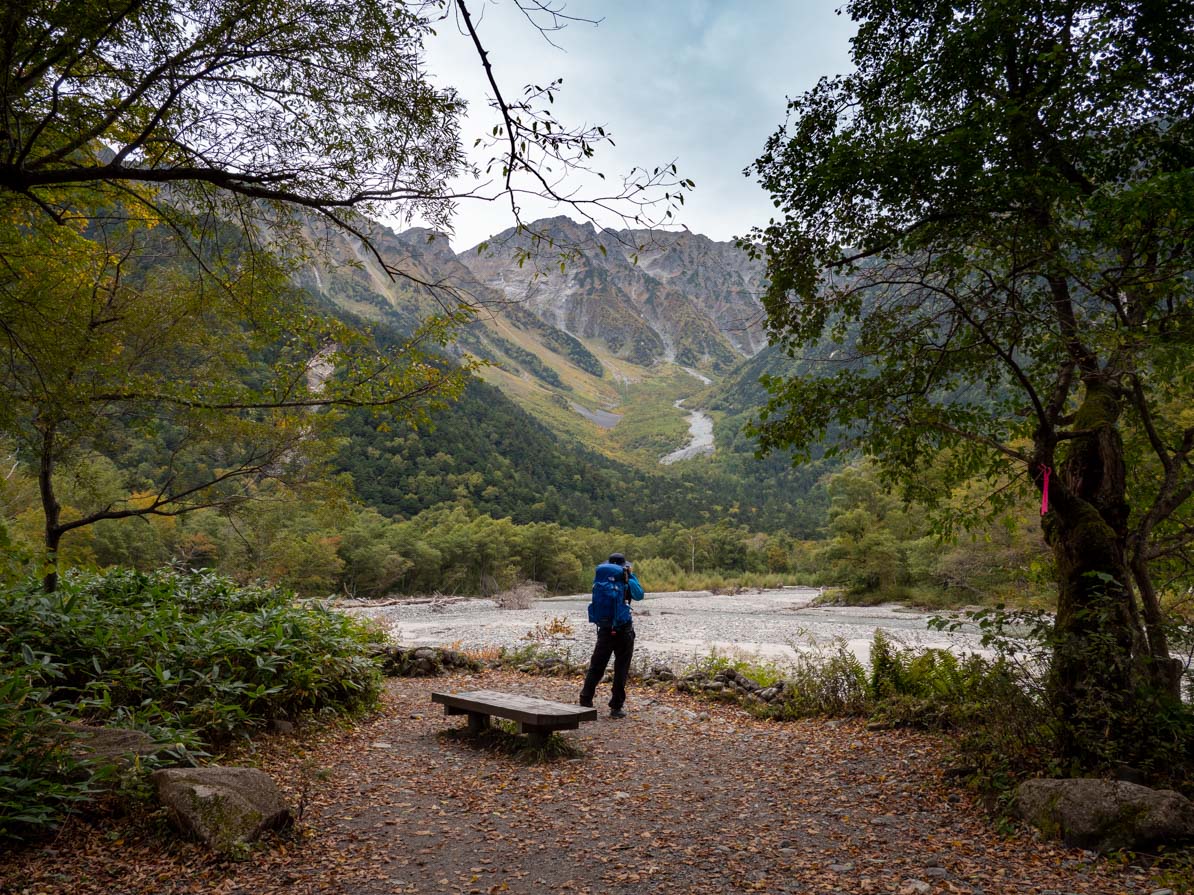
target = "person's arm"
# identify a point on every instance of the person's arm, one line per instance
(636, 589)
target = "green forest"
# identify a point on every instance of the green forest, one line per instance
(469, 533)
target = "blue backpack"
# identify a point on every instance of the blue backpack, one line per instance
(609, 608)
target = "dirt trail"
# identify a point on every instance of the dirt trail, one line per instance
(679, 798)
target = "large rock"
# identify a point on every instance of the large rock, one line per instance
(423, 661)
(223, 807)
(108, 746)
(1105, 815)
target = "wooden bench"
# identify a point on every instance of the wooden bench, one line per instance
(538, 718)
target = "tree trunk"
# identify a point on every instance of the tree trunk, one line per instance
(1166, 671)
(1099, 640)
(51, 509)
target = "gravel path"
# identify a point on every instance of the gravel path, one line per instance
(683, 797)
(674, 628)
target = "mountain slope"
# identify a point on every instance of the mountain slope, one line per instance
(650, 297)
(590, 390)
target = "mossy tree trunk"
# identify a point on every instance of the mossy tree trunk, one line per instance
(1101, 680)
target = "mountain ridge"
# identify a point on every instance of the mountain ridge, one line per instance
(579, 326)
(651, 296)
(608, 354)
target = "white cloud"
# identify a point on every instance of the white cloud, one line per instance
(700, 82)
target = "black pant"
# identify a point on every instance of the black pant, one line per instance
(621, 645)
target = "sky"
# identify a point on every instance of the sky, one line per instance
(702, 83)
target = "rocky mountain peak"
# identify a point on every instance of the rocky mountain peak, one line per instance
(649, 295)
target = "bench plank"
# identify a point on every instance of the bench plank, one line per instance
(527, 710)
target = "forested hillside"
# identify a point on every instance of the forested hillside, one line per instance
(484, 451)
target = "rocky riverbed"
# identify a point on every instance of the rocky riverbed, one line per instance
(672, 628)
(700, 437)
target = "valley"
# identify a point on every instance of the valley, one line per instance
(700, 430)
(597, 334)
(639, 347)
(902, 453)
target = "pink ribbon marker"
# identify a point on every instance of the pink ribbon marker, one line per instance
(1045, 491)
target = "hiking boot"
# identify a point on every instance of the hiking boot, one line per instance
(585, 703)
(617, 713)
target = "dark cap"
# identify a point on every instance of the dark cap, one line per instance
(617, 559)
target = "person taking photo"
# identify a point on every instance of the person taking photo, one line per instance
(614, 587)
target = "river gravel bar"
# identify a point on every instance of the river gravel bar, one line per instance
(676, 629)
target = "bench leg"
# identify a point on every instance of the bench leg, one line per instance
(477, 722)
(538, 737)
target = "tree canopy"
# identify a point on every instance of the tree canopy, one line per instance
(164, 168)
(322, 106)
(984, 254)
(202, 374)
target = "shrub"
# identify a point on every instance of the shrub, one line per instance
(192, 652)
(38, 777)
(935, 689)
(188, 657)
(829, 682)
(1019, 738)
(521, 596)
(556, 628)
(659, 573)
(1001, 728)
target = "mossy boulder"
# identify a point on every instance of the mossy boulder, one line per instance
(1106, 815)
(225, 808)
(99, 748)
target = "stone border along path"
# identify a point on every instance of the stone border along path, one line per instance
(676, 629)
(683, 797)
